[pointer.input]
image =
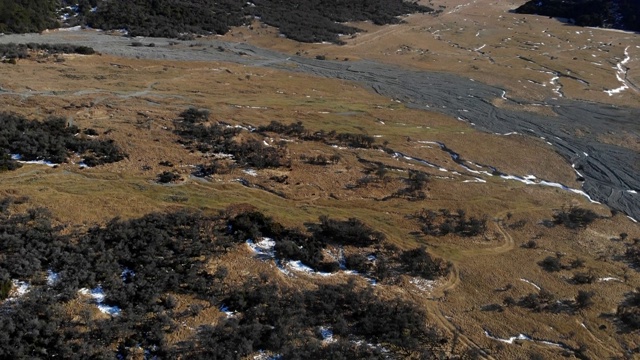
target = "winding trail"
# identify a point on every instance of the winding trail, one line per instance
(432, 305)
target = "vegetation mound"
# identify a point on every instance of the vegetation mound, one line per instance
(52, 140)
(21, 51)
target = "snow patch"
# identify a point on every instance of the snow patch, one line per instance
(327, 335)
(127, 274)
(35, 162)
(298, 266)
(226, 311)
(264, 247)
(264, 356)
(525, 337)
(98, 297)
(531, 283)
(21, 288)
(52, 277)
(621, 74)
(73, 28)
(422, 284)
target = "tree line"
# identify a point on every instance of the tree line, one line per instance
(305, 21)
(621, 14)
(21, 51)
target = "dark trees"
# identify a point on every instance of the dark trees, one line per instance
(22, 16)
(418, 262)
(51, 140)
(218, 138)
(574, 217)
(348, 232)
(604, 13)
(168, 177)
(21, 51)
(306, 21)
(629, 311)
(445, 222)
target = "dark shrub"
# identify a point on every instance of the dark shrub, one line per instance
(168, 177)
(574, 217)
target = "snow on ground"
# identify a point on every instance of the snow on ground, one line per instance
(265, 250)
(73, 28)
(525, 337)
(98, 297)
(37, 162)
(250, 172)
(476, 180)
(608, 279)
(300, 267)
(509, 340)
(127, 274)
(21, 288)
(225, 309)
(52, 277)
(327, 335)
(621, 74)
(422, 284)
(372, 346)
(532, 283)
(264, 247)
(264, 356)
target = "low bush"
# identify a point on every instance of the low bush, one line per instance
(51, 140)
(574, 217)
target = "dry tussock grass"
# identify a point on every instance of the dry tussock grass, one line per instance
(136, 102)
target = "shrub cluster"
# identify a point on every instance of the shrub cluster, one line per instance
(298, 130)
(292, 244)
(545, 301)
(22, 16)
(21, 51)
(574, 217)
(51, 140)
(445, 222)
(217, 138)
(142, 264)
(418, 262)
(416, 184)
(632, 254)
(166, 177)
(629, 311)
(330, 234)
(278, 320)
(138, 264)
(306, 21)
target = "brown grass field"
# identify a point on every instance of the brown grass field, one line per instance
(139, 99)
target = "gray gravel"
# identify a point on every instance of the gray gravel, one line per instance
(611, 173)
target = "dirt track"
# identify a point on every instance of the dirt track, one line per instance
(612, 173)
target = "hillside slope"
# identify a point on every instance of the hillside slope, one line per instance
(306, 21)
(623, 14)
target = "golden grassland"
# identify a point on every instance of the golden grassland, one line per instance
(136, 102)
